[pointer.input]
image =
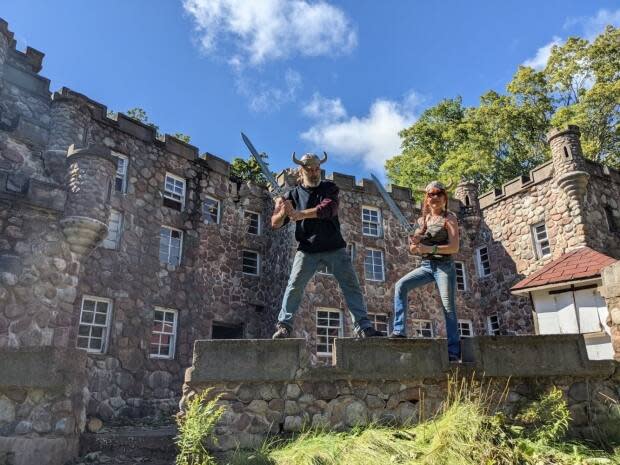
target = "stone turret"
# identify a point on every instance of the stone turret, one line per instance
(6, 38)
(467, 193)
(568, 161)
(90, 176)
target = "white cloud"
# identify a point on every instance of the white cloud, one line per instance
(324, 109)
(266, 98)
(539, 61)
(259, 31)
(371, 139)
(594, 25)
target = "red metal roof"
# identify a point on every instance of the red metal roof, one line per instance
(578, 264)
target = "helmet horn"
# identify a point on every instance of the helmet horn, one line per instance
(295, 160)
(324, 158)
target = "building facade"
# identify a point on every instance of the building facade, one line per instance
(130, 246)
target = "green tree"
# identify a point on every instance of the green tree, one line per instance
(139, 114)
(184, 137)
(505, 135)
(247, 170)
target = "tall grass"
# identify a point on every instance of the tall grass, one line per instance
(468, 430)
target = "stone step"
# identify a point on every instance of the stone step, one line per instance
(131, 441)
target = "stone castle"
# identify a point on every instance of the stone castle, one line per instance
(119, 248)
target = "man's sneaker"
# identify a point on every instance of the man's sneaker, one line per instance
(397, 336)
(282, 332)
(369, 332)
(454, 358)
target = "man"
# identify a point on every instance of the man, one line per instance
(313, 205)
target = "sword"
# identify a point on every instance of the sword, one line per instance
(409, 229)
(276, 190)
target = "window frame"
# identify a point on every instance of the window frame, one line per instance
(538, 248)
(174, 334)
(382, 255)
(470, 323)
(372, 316)
(105, 337)
(489, 324)
(463, 275)
(378, 223)
(123, 175)
(329, 337)
(610, 218)
(170, 195)
(119, 231)
(170, 228)
(479, 263)
(219, 209)
(258, 262)
(259, 227)
(418, 331)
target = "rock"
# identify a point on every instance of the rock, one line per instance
(159, 380)
(356, 414)
(579, 392)
(293, 391)
(23, 427)
(293, 424)
(7, 410)
(94, 424)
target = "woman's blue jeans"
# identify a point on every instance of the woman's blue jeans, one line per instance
(443, 272)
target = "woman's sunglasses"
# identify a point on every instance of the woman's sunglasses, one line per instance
(435, 194)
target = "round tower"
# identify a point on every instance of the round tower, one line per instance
(467, 193)
(69, 122)
(568, 162)
(90, 177)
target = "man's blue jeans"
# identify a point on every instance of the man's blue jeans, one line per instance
(443, 272)
(339, 263)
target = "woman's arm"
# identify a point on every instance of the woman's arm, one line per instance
(452, 247)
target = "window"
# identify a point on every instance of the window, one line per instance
(120, 182)
(371, 221)
(351, 249)
(170, 245)
(461, 280)
(211, 210)
(115, 225)
(611, 220)
(484, 264)
(324, 268)
(373, 265)
(422, 328)
(328, 328)
(466, 328)
(174, 192)
(226, 331)
(251, 262)
(379, 321)
(252, 220)
(94, 324)
(493, 325)
(541, 242)
(164, 333)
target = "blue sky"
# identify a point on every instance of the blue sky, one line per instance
(297, 75)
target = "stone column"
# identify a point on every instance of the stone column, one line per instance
(90, 179)
(610, 290)
(571, 176)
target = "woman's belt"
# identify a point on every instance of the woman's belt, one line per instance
(437, 257)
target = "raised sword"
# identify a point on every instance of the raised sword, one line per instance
(276, 190)
(409, 228)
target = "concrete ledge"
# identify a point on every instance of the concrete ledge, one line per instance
(37, 451)
(536, 356)
(245, 360)
(41, 367)
(392, 358)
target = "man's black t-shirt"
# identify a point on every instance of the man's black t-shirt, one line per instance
(317, 234)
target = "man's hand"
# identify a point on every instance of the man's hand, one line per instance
(280, 212)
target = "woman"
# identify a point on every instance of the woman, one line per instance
(436, 240)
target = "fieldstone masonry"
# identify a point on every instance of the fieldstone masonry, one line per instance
(67, 169)
(611, 291)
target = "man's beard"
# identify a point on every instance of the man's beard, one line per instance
(312, 182)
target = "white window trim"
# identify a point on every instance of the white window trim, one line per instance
(169, 195)
(379, 221)
(258, 262)
(340, 327)
(322, 271)
(174, 334)
(471, 327)
(536, 241)
(382, 266)
(219, 209)
(479, 262)
(465, 283)
(260, 222)
(119, 232)
(372, 316)
(106, 337)
(421, 320)
(180, 246)
(490, 327)
(124, 186)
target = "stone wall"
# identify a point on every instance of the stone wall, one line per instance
(610, 290)
(268, 387)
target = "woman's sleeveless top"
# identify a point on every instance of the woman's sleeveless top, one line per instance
(436, 234)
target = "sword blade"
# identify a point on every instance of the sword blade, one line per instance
(395, 210)
(275, 187)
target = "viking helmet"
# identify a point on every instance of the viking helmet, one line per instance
(310, 159)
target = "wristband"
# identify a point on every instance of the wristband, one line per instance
(434, 250)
